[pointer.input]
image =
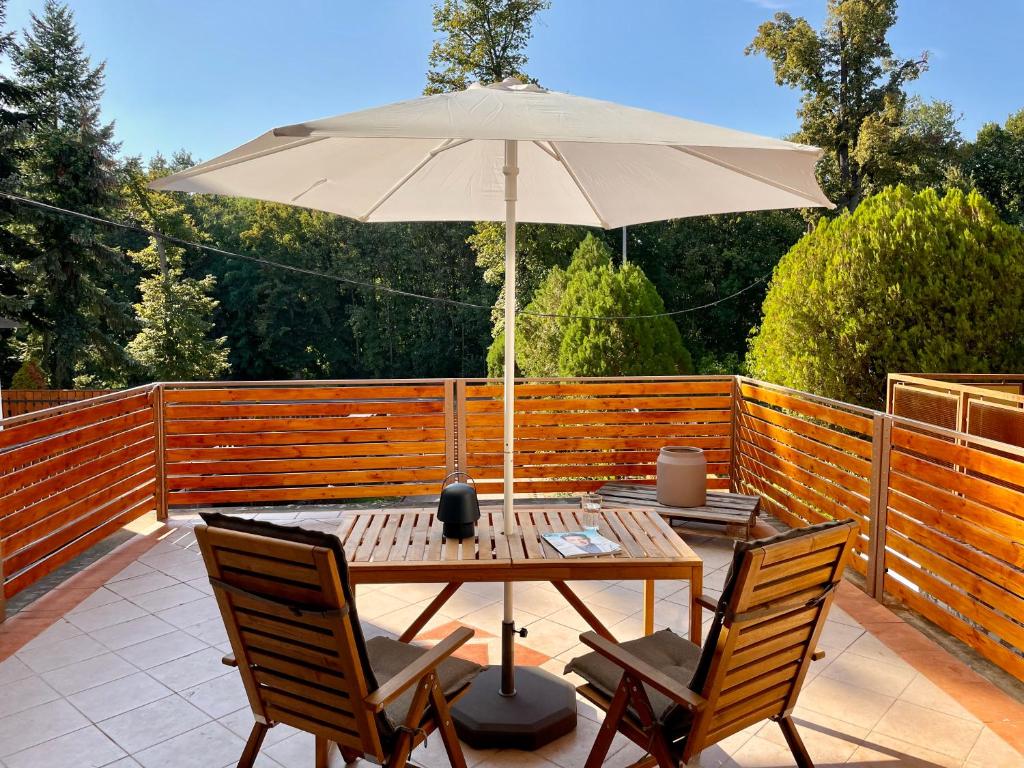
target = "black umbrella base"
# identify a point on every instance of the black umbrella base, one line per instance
(543, 709)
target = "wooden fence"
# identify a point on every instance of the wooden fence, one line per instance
(302, 441)
(577, 434)
(69, 477)
(941, 512)
(19, 401)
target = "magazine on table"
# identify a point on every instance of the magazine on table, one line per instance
(581, 543)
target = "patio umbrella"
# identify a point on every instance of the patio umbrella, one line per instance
(512, 152)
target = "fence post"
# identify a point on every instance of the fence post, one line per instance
(459, 410)
(878, 505)
(3, 597)
(451, 428)
(734, 434)
(161, 454)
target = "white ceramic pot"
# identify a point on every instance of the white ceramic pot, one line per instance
(682, 477)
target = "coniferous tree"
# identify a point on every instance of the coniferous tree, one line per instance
(70, 276)
(14, 120)
(175, 314)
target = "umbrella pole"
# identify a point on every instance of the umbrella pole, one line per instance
(511, 172)
(528, 708)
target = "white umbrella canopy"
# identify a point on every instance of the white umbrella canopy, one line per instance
(580, 160)
(512, 152)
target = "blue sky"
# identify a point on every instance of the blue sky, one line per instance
(206, 75)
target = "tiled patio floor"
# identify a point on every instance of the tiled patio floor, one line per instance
(127, 672)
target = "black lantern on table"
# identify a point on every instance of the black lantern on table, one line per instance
(458, 508)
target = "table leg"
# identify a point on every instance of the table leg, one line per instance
(648, 607)
(428, 613)
(696, 612)
(588, 616)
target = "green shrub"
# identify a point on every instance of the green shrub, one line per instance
(908, 282)
(29, 376)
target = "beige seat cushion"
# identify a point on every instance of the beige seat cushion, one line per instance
(389, 657)
(666, 651)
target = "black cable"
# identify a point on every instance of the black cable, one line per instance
(349, 281)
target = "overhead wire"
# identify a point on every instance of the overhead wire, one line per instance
(180, 242)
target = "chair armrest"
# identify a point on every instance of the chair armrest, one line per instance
(419, 668)
(229, 660)
(641, 670)
(817, 656)
(704, 602)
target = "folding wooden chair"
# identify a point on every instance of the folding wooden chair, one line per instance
(674, 699)
(287, 606)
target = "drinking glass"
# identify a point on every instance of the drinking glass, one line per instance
(591, 506)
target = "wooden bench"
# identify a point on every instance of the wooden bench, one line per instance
(738, 513)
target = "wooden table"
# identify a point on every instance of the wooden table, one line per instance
(407, 546)
(738, 513)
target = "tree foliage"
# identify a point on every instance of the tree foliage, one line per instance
(994, 165)
(68, 274)
(907, 282)
(853, 104)
(175, 313)
(572, 344)
(481, 40)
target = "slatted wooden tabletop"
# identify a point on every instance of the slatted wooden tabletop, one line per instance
(722, 508)
(408, 546)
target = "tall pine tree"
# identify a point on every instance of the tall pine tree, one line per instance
(14, 120)
(70, 276)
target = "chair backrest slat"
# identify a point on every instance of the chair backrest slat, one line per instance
(287, 619)
(776, 603)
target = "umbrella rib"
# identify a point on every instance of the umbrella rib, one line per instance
(442, 147)
(743, 172)
(575, 180)
(214, 166)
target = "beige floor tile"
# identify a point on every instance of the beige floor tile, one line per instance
(381, 604)
(161, 649)
(108, 615)
(204, 747)
(88, 747)
(925, 693)
(586, 588)
(61, 654)
(550, 638)
(211, 631)
(25, 693)
(218, 697)
(489, 617)
(153, 723)
(89, 673)
(857, 706)
(398, 621)
(870, 646)
(118, 696)
(167, 597)
(191, 670)
(882, 751)
(140, 585)
(875, 675)
(463, 602)
(190, 614)
(758, 752)
(838, 637)
(930, 729)
(56, 632)
(130, 571)
(990, 751)
(570, 617)
(38, 725)
(241, 721)
(617, 599)
(828, 740)
(512, 758)
(13, 669)
(131, 632)
(100, 597)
